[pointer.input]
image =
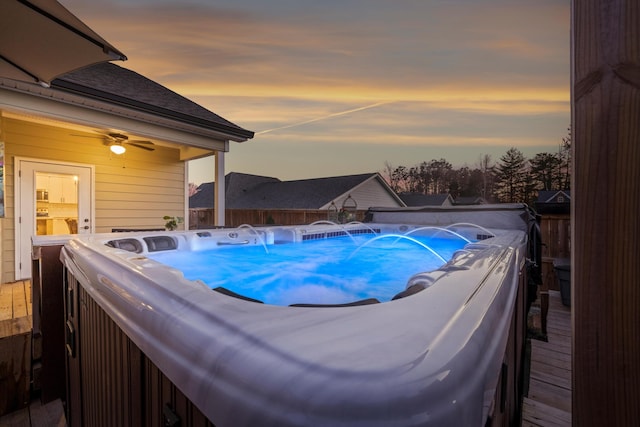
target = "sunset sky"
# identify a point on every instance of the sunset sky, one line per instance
(342, 87)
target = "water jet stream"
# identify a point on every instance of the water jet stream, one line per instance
(440, 229)
(399, 237)
(250, 227)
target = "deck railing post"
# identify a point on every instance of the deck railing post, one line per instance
(606, 204)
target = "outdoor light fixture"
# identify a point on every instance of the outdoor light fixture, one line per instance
(117, 149)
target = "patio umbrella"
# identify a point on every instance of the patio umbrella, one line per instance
(41, 39)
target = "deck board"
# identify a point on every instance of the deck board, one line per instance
(539, 414)
(15, 300)
(549, 394)
(15, 308)
(548, 400)
(6, 302)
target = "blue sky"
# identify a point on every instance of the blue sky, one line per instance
(343, 87)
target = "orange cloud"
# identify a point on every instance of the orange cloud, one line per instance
(404, 74)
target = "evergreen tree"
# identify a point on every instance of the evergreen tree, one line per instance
(545, 168)
(511, 177)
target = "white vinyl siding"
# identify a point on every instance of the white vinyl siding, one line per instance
(131, 191)
(369, 194)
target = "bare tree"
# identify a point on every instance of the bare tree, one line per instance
(193, 189)
(564, 154)
(485, 165)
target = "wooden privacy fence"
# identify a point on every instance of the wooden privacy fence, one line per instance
(556, 236)
(204, 218)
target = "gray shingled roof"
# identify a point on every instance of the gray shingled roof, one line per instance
(470, 200)
(420, 199)
(111, 83)
(547, 202)
(203, 198)
(235, 184)
(255, 192)
(548, 196)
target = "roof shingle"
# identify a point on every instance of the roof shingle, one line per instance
(255, 192)
(114, 84)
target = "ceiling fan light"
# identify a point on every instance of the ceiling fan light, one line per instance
(117, 149)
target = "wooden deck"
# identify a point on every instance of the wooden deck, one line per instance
(548, 401)
(15, 345)
(15, 352)
(15, 307)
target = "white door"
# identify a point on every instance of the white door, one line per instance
(51, 199)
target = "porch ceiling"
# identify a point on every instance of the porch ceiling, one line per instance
(32, 103)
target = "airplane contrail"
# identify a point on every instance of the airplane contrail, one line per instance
(341, 113)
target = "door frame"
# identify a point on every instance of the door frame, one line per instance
(20, 192)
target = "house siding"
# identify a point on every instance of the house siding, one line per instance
(131, 191)
(369, 193)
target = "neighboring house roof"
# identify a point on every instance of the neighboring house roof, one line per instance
(554, 196)
(235, 184)
(255, 192)
(203, 198)
(116, 85)
(553, 202)
(301, 194)
(472, 200)
(420, 199)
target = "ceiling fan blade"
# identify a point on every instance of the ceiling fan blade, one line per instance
(120, 138)
(117, 136)
(139, 144)
(88, 136)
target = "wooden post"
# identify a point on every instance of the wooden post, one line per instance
(219, 191)
(606, 209)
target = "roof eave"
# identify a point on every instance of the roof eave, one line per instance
(29, 99)
(236, 134)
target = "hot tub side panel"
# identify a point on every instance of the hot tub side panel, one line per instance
(506, 404)
(110, 381)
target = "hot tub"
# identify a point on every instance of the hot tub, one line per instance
(431, 356)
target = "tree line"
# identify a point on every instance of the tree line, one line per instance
(513, 178)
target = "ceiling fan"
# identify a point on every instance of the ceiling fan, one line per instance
(117, 141)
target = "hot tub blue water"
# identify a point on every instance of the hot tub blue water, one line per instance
(329, 271)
